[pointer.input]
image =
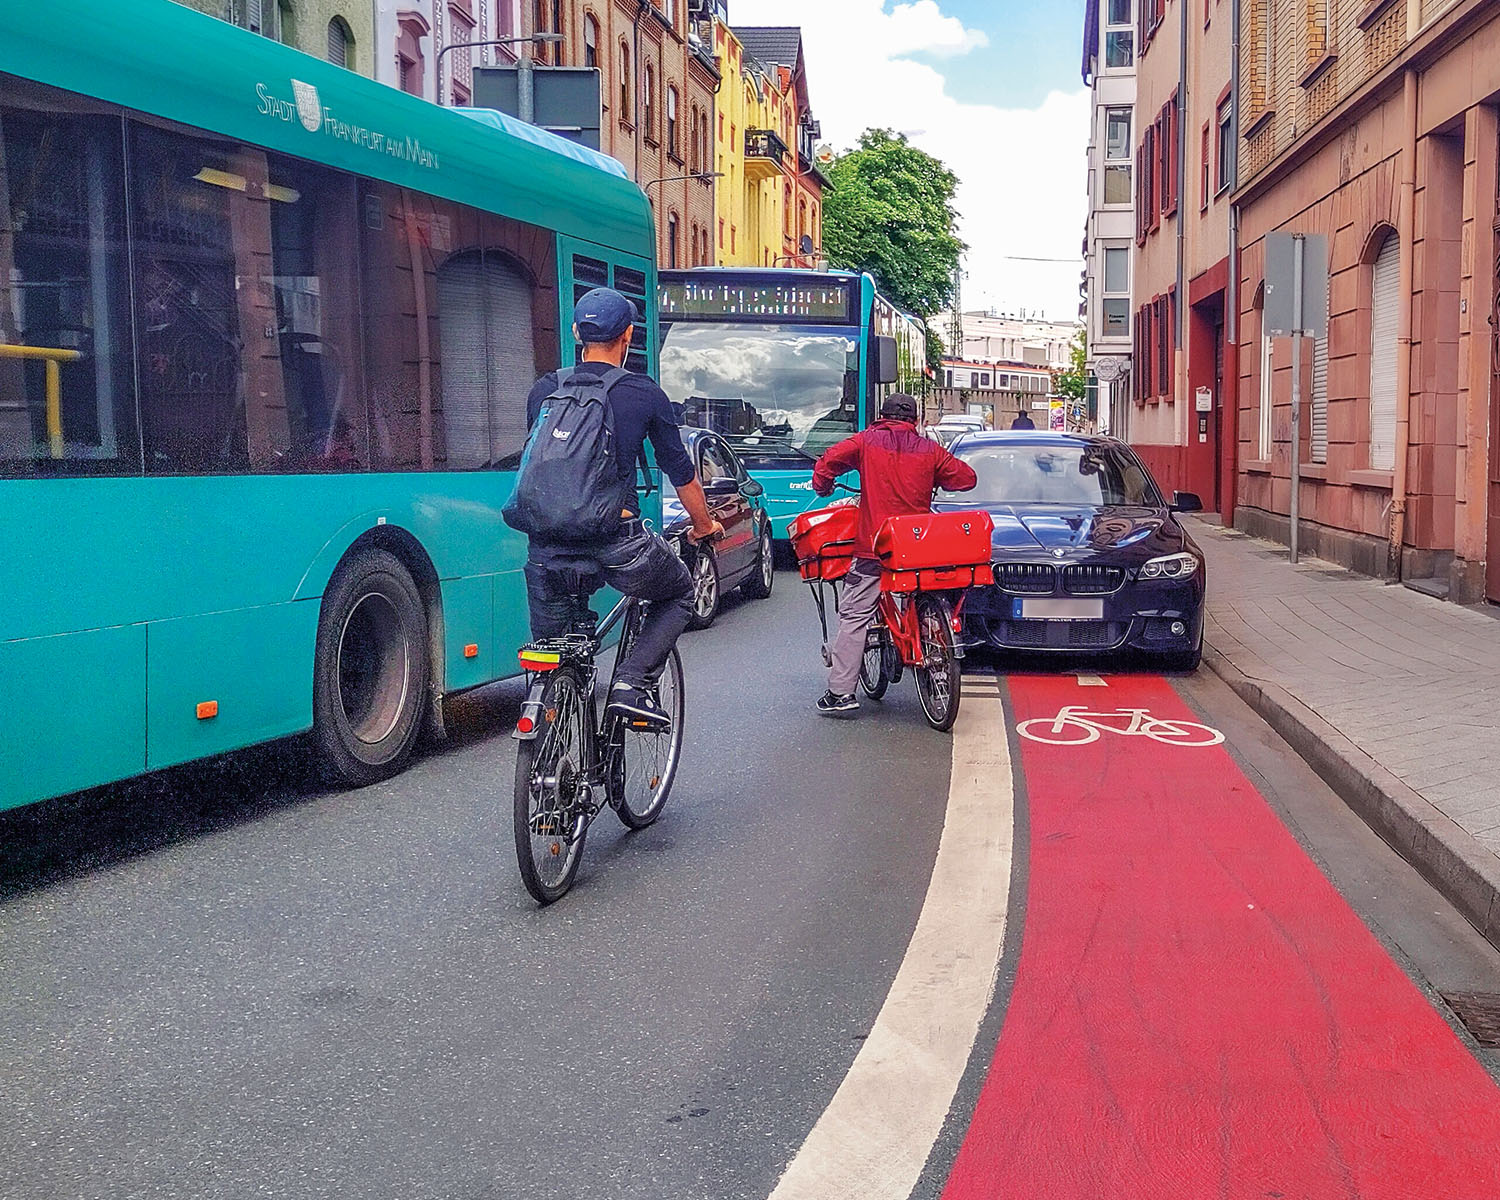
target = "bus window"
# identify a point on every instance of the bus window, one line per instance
(67, 403)
(456, 343)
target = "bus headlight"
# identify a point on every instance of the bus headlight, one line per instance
(1170, 566)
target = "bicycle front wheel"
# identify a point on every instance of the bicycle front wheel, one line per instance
(551, 775)
(938, 681)
(648, 760)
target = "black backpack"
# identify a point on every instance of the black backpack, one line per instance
(568, 486)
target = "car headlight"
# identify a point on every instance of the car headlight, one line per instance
(1170, 566)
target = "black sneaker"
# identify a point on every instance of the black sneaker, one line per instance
(830, 705)
(637, 708)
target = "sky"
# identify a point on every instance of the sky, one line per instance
(991, 87)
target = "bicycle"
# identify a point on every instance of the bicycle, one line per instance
(919, 614)
(571, 764)
(1063, 729)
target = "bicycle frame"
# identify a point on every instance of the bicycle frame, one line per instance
(897, 614)
(581, 650)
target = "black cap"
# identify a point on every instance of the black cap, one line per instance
(900, 406)
(602, 315)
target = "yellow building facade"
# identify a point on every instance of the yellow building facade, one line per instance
(755, 149)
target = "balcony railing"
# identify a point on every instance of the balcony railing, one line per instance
(765, 154)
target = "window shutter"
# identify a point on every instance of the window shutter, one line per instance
(1319, 433)
(1384, 303)
(338, 49)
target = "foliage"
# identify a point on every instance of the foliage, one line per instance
(1073, 384)
(935, 348)
(890, 212)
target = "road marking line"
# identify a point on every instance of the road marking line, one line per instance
(874, 1138)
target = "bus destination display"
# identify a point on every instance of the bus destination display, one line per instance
(766, 301)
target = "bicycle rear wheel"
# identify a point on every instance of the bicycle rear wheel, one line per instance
(938, 681)
(551, 773)
(648, 760)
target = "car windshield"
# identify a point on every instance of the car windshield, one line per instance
(1054, 473)
(779, 394)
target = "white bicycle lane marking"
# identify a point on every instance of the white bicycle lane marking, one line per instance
(877, 1132)
(1078, 725)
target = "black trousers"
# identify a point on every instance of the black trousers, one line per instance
(560, 580)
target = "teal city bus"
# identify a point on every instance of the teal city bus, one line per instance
(266, 333)
(782, 363)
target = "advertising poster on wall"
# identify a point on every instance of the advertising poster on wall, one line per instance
(1055, 415)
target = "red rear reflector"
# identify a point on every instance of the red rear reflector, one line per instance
(207, 709)
(471, 651)
(525, 725)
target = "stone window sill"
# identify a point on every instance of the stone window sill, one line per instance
(1259, 122)
(1258, 466)
(1373, 479)
(1318, 69)
(1372, 13)
(1312, 470)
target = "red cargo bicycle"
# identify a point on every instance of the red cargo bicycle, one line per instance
(927, 561)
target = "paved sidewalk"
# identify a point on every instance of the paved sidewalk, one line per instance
(1412, 682)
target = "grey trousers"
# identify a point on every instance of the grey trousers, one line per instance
(857, 604)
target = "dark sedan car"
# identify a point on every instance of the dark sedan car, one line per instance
(1088, 555)
(743, 557)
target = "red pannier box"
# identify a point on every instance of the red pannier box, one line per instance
(824, 541)
(934, 552)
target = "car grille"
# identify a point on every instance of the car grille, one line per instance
(1058, 635)
(1084, 579)
(1029, 579)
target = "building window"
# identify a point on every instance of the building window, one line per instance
(1119, 35)
(721, 233)
(1385, 289)
(624, 80)
(1117, 184)
(1168, 124)
(672, 240)
(669, 10)
(549, 20)
(648, 113)
(1204, 182)
(672, 123)
(1114, 308)
(1226, 144)
(591, 41)
(340, 44)
(1267, 396)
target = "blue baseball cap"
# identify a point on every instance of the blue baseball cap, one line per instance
(603, 315)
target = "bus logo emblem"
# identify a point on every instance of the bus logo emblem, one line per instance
(309, 107)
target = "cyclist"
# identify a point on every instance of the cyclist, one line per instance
(636, 562)
(899, 470)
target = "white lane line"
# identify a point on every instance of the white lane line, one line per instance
(873, 1139)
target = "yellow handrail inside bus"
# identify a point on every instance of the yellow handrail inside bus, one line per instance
(54, 358)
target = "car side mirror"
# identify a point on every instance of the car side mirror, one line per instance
(752, 490)
(725, 485)
(887, 362)
(1186, 502)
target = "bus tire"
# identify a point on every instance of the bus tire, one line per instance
(370, 669)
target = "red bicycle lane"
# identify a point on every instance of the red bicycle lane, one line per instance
(1197, 1012)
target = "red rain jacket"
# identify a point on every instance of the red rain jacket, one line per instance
(899, 469)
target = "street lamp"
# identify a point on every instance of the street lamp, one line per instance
(700, 175)
(523, 65)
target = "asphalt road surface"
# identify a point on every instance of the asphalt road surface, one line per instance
(223, 981)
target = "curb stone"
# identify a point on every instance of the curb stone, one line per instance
(1448, 857)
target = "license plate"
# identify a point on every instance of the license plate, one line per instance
(1048, 608)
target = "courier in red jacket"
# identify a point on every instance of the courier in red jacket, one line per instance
(899, 470)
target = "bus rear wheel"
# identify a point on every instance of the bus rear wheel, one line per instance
(370, 670)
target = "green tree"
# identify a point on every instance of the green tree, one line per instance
(935, 347)
(1073, 384)
(890, 212)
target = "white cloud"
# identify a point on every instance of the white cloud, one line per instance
(1022, 187)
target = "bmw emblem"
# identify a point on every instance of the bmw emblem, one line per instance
(1057, 554)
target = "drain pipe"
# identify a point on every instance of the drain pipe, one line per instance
(1405, 221)
(1232, 293)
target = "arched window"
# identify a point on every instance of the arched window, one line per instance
(672, 239)
(590, 41)
(672, 123)
(624, 80)
(1385, 303)
(340, 44)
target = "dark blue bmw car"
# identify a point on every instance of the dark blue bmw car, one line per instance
(1089, 557)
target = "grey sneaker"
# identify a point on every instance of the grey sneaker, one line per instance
(830, 705)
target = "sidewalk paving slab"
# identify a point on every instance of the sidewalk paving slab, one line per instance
(1388, 693)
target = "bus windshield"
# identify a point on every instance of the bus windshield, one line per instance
(780, 394)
